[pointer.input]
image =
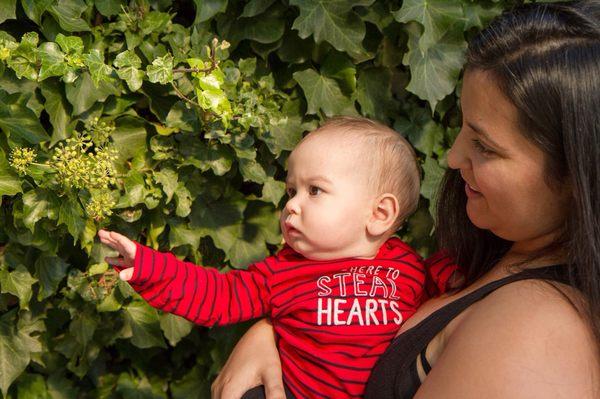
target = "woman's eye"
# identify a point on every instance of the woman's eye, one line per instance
(314, 190)
(481, 148)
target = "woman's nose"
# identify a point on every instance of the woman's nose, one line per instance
(457, 156)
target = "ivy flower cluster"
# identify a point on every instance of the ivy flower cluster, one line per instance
(20, 158)
(99, 131)
(100, 206)
(78, 167)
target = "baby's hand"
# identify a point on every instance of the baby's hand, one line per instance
(126, 249)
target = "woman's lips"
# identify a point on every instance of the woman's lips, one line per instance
(471, 192)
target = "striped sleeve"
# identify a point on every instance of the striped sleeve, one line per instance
(202, 295)
(443, 274)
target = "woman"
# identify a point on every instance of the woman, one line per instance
(519, 209)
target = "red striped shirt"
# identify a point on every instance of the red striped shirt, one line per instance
(333, 318)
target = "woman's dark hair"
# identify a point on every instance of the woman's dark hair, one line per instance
(545, 58)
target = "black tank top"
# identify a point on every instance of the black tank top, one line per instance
(395, 373)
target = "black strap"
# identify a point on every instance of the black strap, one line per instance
(425, 362)
(430, 326)
(394, 374)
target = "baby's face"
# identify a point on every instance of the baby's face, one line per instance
(329, 199)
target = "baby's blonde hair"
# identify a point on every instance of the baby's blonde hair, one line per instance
(392, 160)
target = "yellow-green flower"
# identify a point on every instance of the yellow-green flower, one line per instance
(100, 206)
(21, 157)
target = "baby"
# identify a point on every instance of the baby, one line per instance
(341, 286)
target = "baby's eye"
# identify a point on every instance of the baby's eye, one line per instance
(290, 192)
(481, 148)
(314, 190)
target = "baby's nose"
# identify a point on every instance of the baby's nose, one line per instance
(293, 206)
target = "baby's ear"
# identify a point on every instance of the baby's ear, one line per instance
(384, 213)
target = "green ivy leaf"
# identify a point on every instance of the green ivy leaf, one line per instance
(57, 108)
(38, 204)
(175, 327)
(108, 8)
(18, 283)
(266, 219)
(128, 64)
(154, 21)
(32, 386)
(252, 170)
(53, 61)
(10, 183)
(161, 70)
(436, 16)
(72, 45)
(433, 175)
(332, 21)
(272, 191)
(50, 270)
(183, 199)
(83, 94)
(82, 327)
(341, 68)
(71, 215)
(144, 324)
(14, 351)
(130, 387)
(207, 156)
(35, 8)
(7, 10)
(478, 15)
(374, 93)
(98, 69)
(19, 122)
(206, 9)
(24, 58)
(220, 219)
(323, 93)
(68, 14)
(168, 178)
(60, 387)
(256, 7)
(130, 137)
(192, 385)
(283, 134)
(262, 29)
(248, 247)
(435, 70)
(180, 234)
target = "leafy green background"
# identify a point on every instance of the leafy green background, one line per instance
(200, 158)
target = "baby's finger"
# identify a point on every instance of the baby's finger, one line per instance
(105, 238)
(126, 274)
(127, 246)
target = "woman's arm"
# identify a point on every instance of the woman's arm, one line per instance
(254, 361)
(523, 341)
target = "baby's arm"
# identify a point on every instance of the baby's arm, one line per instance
(443, 275)
(200, 294)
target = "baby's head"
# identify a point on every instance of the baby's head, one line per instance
(351, 183)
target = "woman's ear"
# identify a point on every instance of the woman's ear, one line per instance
(384, 213)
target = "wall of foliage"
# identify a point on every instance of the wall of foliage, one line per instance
(171, 121)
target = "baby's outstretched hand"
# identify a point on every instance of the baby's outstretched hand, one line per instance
(126, 249)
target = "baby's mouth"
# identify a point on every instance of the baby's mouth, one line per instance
(290, 229)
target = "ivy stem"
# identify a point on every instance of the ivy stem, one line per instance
(183, 96)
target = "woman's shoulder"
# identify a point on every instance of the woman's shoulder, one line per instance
(523, 340)
(528, 307)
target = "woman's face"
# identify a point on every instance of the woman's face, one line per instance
(504, 173)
